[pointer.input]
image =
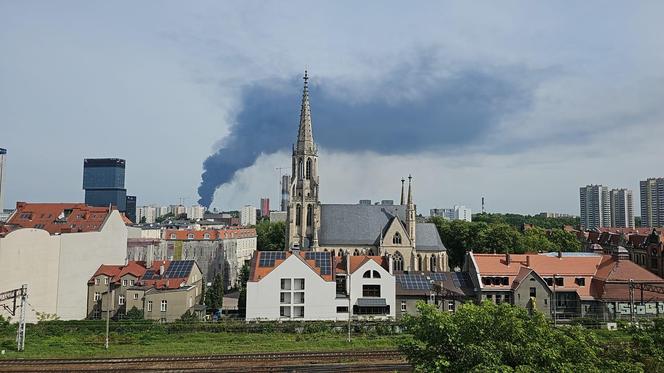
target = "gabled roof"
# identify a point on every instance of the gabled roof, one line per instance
(150, 276)
(356, 262)
(264, 262)
(427, 238)
(208, 234)
(57, 218)
(356, 224)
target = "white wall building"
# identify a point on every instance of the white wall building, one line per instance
(312, 286)
(622, 208)
(54, 249)
(248, 215)
(455, 213)
(195, 212)
(147, 212)
(595, 206)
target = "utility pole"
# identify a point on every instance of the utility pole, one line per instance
(108, 311)
(631, 300)
(20, 336)
(555, 314)
(349, 307)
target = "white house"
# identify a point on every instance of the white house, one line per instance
(54, 248)
(313, 286)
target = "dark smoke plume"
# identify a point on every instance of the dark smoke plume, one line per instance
(413, 112)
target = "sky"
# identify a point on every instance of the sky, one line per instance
(520, 102)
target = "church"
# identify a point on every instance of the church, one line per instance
(382, 229)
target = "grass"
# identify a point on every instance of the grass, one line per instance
(85, 345)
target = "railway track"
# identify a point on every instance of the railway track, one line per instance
(358, 361)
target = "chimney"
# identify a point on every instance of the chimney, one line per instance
(508, 258)
(527, 260)
(390, 262)
(161, 268)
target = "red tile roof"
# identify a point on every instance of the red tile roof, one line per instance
(139, 270)
(57, 218)
(208, 234)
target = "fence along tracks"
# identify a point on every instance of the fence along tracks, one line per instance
(370, 361)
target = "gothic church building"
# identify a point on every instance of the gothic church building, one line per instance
(385, 229)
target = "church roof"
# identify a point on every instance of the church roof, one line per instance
(363, 224)
(427, 238)
(356, 224)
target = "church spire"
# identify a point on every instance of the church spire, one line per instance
(410, 190)
(305, 137)
(402, 195)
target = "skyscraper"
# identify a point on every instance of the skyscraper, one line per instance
(622, 208)
(3, 152)
(248, 215)
(265, 207)
(131, 208)
(652, 202)
(285, 182)
(103, 182)
(595, 206)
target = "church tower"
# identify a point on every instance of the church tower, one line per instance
(411, 213)
(303, 203)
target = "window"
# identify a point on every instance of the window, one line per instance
(367, 274)
(298, 297)
(285, 284)
(298, 215)
(371, 290)
(450, 306)
(97, 297)
(190, 236)
(164, 306)
(375, 274)
(97, 281)
(398, 261)
(559, 281)
(121, 300)
(298, 311)
(124, 282)
(432, 263)
(135, 296)
(403, 306)
(396, 239)
(299, 284)
(499, 298)
(308, 168)
(131, 282)
(149, 306)
(580, 281)
(206, 236)
(105, 280)
(173, 236)
(285, 298)
(533, 292)
(300, 172)
(549, 281)
(284, 311)
(310, 215)
(342, 309)
(489, 297)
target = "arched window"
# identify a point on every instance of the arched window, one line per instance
(367, 274)
(298, 215)
(419, 263)
(308, 172)
(432, 263)
(356, 252)
(376, 274)
(310, 215)
(300, 172)
(396, 239)
(398, 261)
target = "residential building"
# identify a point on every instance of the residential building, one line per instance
(265, 207)
(131, 209)
(555, 215)
(163, 290)
(319, 286)
(147, 212)
(177, 210)
(595, 206)
(455, 213)
(276, 216)
(579, 284)
(622, 208)
(356, 229)
(195, 212)
(68, 242)
(647, 250)
(446, 290)
(285, 182)
(3, 154)
(248, 216)
(104, 182)
(652, 202)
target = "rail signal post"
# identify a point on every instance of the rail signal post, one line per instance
(20, 295)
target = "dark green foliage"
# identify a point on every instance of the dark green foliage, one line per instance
(502, 338)
(518, 220)
(188, 317)
(271, 236)
(214, 297)
(134, 314)
(242, 300)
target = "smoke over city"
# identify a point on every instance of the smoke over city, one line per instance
(410, 112)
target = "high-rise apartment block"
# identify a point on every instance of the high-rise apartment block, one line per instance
(455, 213)
(248, 215)
(3, 152)
(103, 182)
(595, 206)
(285, 182)
(652, 202)
(622, 208)
(265, 207)
(130, 211)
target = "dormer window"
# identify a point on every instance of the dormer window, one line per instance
(396, 239)
(206, 236)
(190, 236)
(173, 236)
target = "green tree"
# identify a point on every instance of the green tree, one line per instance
(214, 297)
(503, 238)
(535, 240)
(501, 338)
(242, 299)
(271, 236)
(134, 314)
(188, 317)
(564, 241)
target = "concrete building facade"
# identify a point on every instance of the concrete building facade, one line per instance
(248, 216)
(69, 241)
(455, 213)
(652, 202)
(622, 208)
(595, 206)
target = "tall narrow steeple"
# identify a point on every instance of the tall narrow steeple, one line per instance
(402, 195)
(411, 213)
(305, 137)
(410, 190)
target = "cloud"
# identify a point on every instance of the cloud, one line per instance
(418, 109)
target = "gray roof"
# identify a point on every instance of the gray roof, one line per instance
(363, 224)
(356, 224)
(427, 238)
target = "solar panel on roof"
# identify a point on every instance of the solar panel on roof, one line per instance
(323, 261)
(414, 282)
(268, 258)
(438, 276)
(460, 280)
